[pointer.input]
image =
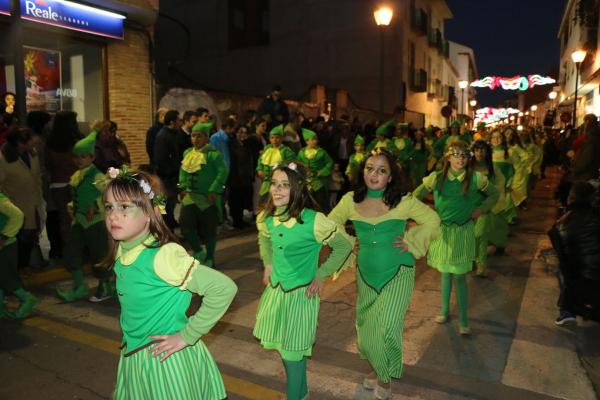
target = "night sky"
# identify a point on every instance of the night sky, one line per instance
(509, 37)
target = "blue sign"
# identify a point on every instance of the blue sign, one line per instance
(78, 17)
(5, 7)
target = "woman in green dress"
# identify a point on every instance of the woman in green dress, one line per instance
(291, 235)
(379, 209)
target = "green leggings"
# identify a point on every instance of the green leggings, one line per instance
(462, 296)
(297, 387)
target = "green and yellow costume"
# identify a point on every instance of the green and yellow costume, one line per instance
(418, 163)
(286, 319)
(453, 252)
(498, 228)
(522, 165)
(269, 158)
(11, 220)
(202, 175)
(385, 275)
(155, 286)
(355, 159)
(319, 165)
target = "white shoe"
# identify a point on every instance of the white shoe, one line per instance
(441, 319)
(383, 393)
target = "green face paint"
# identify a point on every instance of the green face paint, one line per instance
(123, 209)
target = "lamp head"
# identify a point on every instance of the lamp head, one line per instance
(534, 107)
(578, 56)
(383, 16)
(463, 84)
(473, 103)
(552, 95)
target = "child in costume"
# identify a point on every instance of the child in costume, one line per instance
(498, 230)
(457, 192)
(162, 356)
(454, 135)
(430, 139)
(355, 159)
(385, 274)
(521, 163)
(403, 146)
(482, 163)
(382, 134)
(319, 165)
(418, 159)
(273, 154)
(88, 231)
(11, 220)
(291, 235)
(536, 155)
(202, 178)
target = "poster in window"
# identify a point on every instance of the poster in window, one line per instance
(42, 79)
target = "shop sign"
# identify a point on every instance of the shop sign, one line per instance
(75, 16)
(5, 7)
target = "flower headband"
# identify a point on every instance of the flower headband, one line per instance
(158, 200)
(293, 166)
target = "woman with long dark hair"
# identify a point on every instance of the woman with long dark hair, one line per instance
(379, 209)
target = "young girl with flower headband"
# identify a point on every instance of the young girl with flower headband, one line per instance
(460, 197)
(87, 231)
(379, 209)
(162, 356)
(291, 235)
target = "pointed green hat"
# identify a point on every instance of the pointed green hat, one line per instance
(277, 131)
(87, 145)
(203, 127)
(359, 140)
(307, 134)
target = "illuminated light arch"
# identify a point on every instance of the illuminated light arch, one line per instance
(515, 83)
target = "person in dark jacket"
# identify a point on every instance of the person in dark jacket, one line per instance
(275, 108)
(153, 131)
(576, 239)
(167, 160)
(241, 175)
(184, 137)
(111, 151)
(586, 162)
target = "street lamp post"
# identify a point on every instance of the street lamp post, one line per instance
(463, 85)
(577, 56)
(383, 17)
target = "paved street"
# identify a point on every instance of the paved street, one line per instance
(69, 351)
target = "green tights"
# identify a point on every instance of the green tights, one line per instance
(462, 296)
(297, 387)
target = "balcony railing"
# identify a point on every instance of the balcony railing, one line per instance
(418, 81)
(419, 21)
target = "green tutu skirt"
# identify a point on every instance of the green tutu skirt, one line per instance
(287, 322)
(190, 373)
(454, 250)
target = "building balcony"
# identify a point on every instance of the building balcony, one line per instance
(418, 80)
(419, 21)
(435, 38)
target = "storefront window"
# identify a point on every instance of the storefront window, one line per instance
(61, 73)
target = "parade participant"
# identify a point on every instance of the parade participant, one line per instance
(11, 220)
(379, 211)
(202, 178)
(482, 163)
(162, 355)
(355, 159)
(430, 139)
(521, 163)
(481, 133)
(536, 155)
(291, 235)
(403, 145)
(454, 135)
(382, 135)
(88, 233)
(319, 165)
(498, 228)
(457, 190)
(273, 154)
(418, 159)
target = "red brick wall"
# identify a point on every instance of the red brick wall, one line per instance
(130, 91)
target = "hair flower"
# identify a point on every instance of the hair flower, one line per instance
(293, 166)
(113, 172)
(146, 188)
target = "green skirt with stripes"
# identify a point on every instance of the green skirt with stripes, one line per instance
(454, 250)
(287, 322)
(190, 373)
(481, 237)
(380, 322)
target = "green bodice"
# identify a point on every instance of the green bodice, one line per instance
(452, 205)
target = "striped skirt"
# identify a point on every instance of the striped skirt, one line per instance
(454, 250)
(481, 237)
(380, 322)
(190, 373)
(287, 322)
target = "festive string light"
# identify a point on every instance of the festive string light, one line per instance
(490, 115)
(515, 83)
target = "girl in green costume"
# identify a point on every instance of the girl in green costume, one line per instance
(385, 274)
(418, 160)
(382, 134)
(202, 178)
(162, 356)
(521, 163)
(319, 165)
(482, 163)
(11, 220)
(355, 160)
(457, 192)
(291, 235)
(498, 232)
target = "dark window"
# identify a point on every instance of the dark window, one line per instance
(248, 23)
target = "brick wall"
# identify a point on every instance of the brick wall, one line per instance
(130, 91)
